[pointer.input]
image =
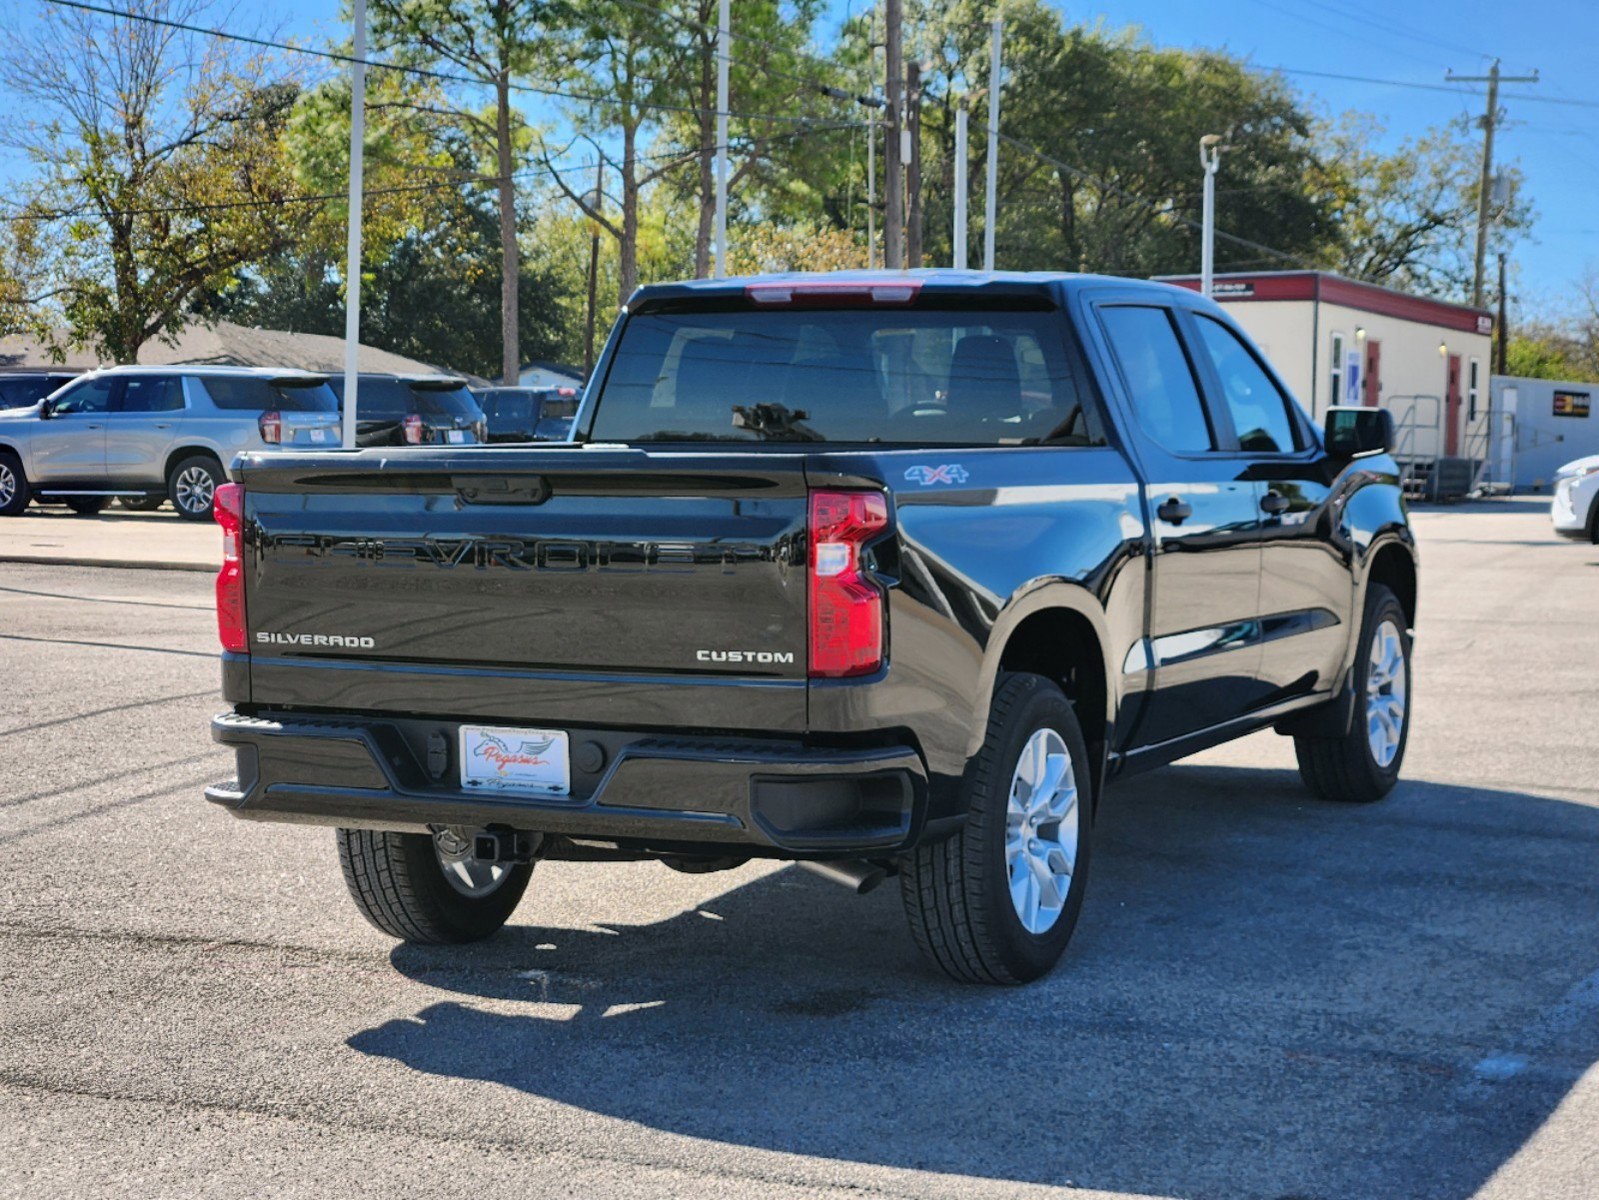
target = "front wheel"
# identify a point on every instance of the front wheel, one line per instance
(429, 888)
(141, 503)
(87, 506)
(1363, 765)
(192, 486)
(997, 902)
(14, 490)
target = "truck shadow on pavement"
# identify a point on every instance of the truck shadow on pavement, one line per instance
(1267, 996)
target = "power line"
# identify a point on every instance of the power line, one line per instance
(424, 72)
(1427, 87)
(395, 189)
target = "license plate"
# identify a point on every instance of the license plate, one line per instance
(455, 436)
(319, 435)
(515, 760)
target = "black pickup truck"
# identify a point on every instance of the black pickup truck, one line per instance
(883, 575)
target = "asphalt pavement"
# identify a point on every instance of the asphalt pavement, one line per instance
(1268, 997)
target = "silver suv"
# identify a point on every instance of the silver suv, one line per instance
(149, 434)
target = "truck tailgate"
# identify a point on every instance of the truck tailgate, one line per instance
(562, 584)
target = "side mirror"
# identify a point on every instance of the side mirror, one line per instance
(1351, 432)
(46, 410)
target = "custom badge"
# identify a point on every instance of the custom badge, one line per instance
(943, 473)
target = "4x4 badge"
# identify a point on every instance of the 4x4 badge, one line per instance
(944, 473)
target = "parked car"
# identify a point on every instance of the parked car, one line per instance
(528, 414)
(23, 389)
(1575, 508)
(414, 410)
(882, 575)
(146, 434)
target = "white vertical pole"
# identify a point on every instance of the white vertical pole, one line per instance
(871, 193)
(723, 20)
(352, 274)
(990, 206)
(960, 188)
(1210, 158)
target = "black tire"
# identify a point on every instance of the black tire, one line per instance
(87, 506)
(396, 881)
(957, 891)
(184, 490)
(14, 490)
(1345, 768)
(141, 503)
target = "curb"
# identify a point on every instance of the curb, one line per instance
(130, 564)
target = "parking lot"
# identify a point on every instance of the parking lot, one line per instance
(1267, 997)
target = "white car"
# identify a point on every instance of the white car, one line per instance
(1576, 506)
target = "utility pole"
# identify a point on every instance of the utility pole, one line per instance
(1210, 160)
(960, 188)
(1503, 349)
(352, 272)
(913, 180)
(723, 20)
(1490, 121)
(894, 70)
(991, 202)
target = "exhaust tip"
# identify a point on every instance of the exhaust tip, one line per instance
(856, 874)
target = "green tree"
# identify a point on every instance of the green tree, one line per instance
(1409, 218)
(161, 165)
(490, 41)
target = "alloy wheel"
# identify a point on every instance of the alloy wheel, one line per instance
(1041, 831)
(1385, 694)
(8, 484)
(196, 489)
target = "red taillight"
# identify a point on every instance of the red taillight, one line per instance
(271, 425)
(228, 507)
(846, 606)
(413, 429)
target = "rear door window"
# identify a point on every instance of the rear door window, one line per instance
(1160, 380)
(149, 394)
(933, 377)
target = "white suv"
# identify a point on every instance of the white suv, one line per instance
(1576, 505)
(149, 434)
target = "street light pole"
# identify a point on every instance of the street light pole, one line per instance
(1210, 159)
(722, 23)
(352, 273)
(991, 203)
(960, 188)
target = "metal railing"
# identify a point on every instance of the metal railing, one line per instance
(1413, 430)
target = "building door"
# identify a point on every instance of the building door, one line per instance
(1373, 380)
(1452, 408)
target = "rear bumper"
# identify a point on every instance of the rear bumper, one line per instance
(773, 797)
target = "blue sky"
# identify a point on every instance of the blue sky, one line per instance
(1555, 142)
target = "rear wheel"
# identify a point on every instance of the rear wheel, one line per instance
(142, 503)
(428, 888)
(14, 491)
(87, 506)
(997, 902)
(1363, 765)
(192, 486)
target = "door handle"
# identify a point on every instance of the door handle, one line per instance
(1274, 503)
(164, 425)
(1174, 511)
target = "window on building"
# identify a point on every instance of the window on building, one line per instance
(1473, 379)
(1336, 375)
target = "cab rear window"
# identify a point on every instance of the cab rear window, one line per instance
(846, 375)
